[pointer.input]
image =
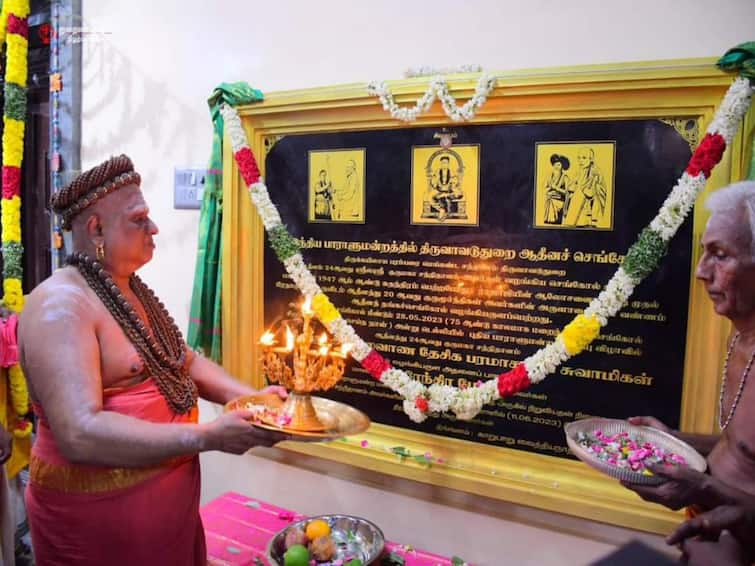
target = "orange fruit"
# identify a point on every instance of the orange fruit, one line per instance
(316, 529)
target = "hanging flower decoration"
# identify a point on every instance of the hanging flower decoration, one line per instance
(14, 35)
(642, 257)
(438, 88)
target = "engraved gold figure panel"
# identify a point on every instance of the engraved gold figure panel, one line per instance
(574, 185)
(445, 185)
(336, 186)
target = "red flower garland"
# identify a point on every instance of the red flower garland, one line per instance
(247, 165)
(421, 404)
(513, 381)
(18, 25)
(376, 364)
(11, 182)
(707, 155)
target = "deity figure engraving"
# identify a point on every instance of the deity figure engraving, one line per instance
(444, 198)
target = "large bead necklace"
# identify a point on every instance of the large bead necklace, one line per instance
(162, 350)
(721, 423)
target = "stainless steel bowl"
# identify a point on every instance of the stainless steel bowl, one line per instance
(354, 537)
(640, 434)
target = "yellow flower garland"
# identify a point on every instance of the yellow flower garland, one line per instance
(324, 309)
(19, 392)
(10, 211)
(579, 333)
(13, 141)
(14, 294)
(18, 47)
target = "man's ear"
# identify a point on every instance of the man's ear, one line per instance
(94, 229)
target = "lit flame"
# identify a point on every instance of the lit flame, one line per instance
(306, 307)
(324, 346)
(289, 340)
(268, 338)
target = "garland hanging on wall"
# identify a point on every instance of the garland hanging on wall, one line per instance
(640, 260)
(438, 88)
(14, 35)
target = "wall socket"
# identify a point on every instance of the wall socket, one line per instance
(188, 188)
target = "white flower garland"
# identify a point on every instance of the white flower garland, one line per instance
(438, 88)
(467, 402)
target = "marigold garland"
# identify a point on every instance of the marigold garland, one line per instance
(642, 257)
(579, 333)
(14, 35)
(324, 309)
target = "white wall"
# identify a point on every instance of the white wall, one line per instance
(147, 78)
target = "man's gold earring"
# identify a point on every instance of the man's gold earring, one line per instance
(100, 251)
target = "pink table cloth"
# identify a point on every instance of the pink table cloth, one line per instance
(238, 529)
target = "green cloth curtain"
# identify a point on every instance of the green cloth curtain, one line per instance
(741, 59)
(205, 330)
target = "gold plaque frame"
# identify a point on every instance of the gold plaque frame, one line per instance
(690, 89)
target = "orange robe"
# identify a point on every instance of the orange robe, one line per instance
(93, 515)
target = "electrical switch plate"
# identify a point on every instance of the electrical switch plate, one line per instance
(188, 188)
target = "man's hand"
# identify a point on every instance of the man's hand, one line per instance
(709, 525)
(684, 486)
(278, 390)
(6, 445)
(233, 433)
(724, 552)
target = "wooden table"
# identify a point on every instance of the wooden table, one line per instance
(238, 529)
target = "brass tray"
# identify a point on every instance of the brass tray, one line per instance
(354, 537)
(339, 419)
(641, 434)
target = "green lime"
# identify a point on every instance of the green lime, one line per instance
(353, 562)
(297, 555)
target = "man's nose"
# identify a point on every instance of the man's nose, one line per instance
(702, 271)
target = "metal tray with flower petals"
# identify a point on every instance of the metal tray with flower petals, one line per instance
(354, 537)
(339, 419)
(640, 434)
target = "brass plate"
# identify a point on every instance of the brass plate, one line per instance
(341, 419)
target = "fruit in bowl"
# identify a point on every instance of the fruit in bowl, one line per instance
(330, 540)
(297, 555)
(296, 536)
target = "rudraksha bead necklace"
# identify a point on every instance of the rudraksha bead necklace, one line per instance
(163, 350)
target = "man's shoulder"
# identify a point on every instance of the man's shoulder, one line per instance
(64, 293)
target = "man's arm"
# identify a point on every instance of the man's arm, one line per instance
(218, 386)
(61, 358)
(214, 383)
